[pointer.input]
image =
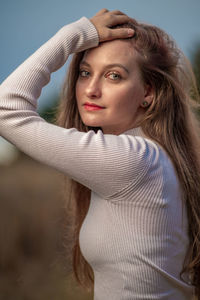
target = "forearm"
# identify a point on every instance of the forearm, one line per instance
(22, 88)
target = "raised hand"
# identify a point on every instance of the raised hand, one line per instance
(104, 20)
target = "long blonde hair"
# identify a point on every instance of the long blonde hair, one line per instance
(170, 120)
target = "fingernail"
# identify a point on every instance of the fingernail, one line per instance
(130, 32)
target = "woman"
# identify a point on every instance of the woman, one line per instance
(135, 151)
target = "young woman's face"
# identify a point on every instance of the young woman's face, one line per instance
(109, 90)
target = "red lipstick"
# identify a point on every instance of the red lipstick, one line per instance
(91, 106)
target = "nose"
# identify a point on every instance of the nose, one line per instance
(93, 89)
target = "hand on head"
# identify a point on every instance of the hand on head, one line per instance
(104, 20)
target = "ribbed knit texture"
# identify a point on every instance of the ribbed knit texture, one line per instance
(135, 233)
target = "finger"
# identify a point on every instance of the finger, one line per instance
(118, 19)
(102, 11)
(117, 12)
(119, 33)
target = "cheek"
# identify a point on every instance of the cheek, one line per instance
(77, 88)
(136, 93)
(78, 92)
(128, 97)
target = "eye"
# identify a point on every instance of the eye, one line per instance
(114, 76)
(84, 73)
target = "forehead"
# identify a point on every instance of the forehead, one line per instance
(116, 51)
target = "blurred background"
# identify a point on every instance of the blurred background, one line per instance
(35, 262)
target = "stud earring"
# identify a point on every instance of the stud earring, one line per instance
(145, 103)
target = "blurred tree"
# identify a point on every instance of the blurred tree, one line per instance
(49, 111)
(196, 64)
(195, 59)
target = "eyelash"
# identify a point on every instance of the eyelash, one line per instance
(84, 74)
(115, 74)
(83, 71)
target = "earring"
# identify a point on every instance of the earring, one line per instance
(145, 103)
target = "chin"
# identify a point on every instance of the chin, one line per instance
(91, 123)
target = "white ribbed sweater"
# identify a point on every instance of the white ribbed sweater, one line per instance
(135, 233)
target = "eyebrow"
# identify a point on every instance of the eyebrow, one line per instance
(108, 66)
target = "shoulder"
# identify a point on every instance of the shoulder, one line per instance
(150, 171)
(149, 157)
(146, 150)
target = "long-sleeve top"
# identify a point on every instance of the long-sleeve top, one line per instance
(135, 233)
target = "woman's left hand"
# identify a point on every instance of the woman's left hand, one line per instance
(104, 20)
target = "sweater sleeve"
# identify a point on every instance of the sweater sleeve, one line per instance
(104, 163)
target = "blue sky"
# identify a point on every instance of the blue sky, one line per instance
(26, 24)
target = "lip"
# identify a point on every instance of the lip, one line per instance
(91, 106)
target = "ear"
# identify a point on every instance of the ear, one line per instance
(148, 96)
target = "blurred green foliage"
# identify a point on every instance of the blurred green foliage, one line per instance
(196, 64)
(49, 112)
